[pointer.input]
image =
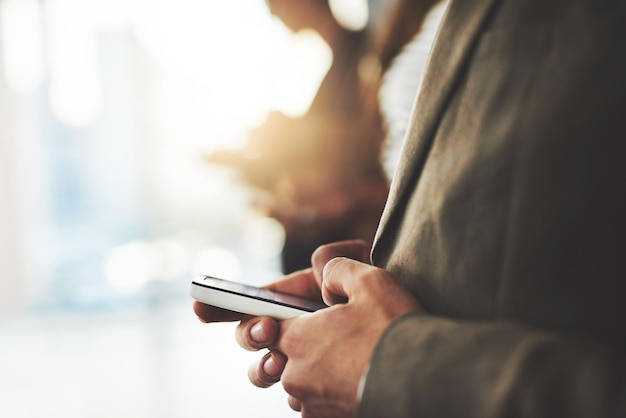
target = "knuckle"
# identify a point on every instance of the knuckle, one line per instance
(369, 275)
(242, 336)
(291, 385)
(293, 341)
(289, 344)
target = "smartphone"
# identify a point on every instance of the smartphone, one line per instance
(250, 300)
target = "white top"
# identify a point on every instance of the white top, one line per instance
(401, 83)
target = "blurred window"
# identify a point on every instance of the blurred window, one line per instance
(110, 107)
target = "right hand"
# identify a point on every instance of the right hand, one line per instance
(256, 333)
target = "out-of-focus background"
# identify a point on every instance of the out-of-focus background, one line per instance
(108, 206)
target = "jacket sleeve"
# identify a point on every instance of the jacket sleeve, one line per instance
(426, 366)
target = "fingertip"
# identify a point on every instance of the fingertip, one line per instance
(326, 296)
(335, 272)
(332, 299)
(273, 366)
(268, 370)
(257, 333)
(197, 309)
(202, 311)
(331, 265)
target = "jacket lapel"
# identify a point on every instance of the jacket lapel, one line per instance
(458, 33)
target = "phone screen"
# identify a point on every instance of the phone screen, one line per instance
(253, 292)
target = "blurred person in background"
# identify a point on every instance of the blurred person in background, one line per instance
(494, 285)
(319, 175)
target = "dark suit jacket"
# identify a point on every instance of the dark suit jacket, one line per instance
(507, 219)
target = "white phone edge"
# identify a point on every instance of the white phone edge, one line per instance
(241, 304)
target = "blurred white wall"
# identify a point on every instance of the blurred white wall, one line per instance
(106, 109)
(11, 291)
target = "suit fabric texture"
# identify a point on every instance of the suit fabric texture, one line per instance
(507, 219)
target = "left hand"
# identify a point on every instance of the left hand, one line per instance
(327, 352)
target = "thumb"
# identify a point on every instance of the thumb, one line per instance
(354, 249)
(339, 278)
(348, 280)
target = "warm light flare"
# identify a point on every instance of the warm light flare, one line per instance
(352, 14)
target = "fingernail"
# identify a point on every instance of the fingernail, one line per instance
(270, 367)
(257, 333)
